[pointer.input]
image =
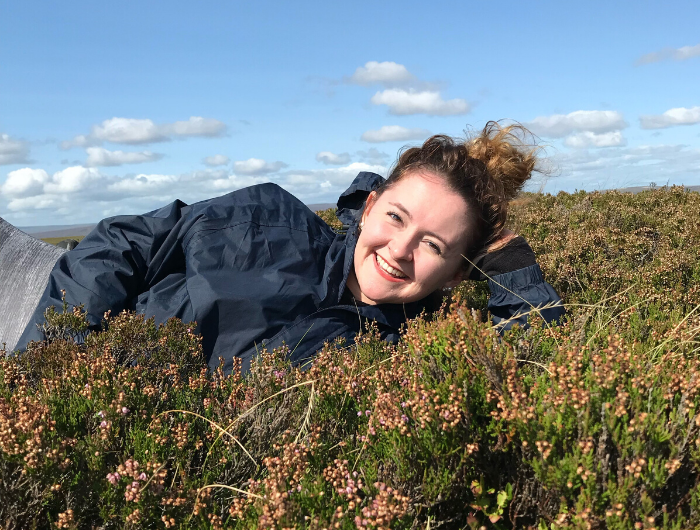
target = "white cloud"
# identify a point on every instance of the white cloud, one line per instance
(404, 94)
(591, 139)
(196, 126)
(670, 118)
(333, 159)
(257, 166)
(143, 131)
(668, 54)
(79, 141)
(35, 189)
(405, 102)
(12, 151)
(625, 166)
(216, 160)
(233, 182)
(141, 185)
(25, 182)
(394, 133)
(128, 131)
(560, 125)
(71, 180)
(324, 185)
(374, 156)
(99, 156)
(79, 194)
(686, 52)
(387, 73)
(43, 202)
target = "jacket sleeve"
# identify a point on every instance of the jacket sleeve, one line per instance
(120, 259)
(517, 294)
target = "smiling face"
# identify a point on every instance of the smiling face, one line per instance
(412, 241)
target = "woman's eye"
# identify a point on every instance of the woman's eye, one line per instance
(394, 216)
(434, 247)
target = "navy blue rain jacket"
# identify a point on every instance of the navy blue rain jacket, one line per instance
(254, 268)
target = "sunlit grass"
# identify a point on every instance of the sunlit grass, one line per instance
(56, 240)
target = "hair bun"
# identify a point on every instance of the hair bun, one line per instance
(509, 160)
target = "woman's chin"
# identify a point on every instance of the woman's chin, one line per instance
(376, 294)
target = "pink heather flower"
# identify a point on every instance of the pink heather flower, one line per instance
(125, 410)
(143, 476)
(101, 414)
(112, 479)
(359, 413)
(103, 424)
(404, 418)
(367, 413)
(189, 330)
(403, 404)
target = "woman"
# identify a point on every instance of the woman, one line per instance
(257, 269)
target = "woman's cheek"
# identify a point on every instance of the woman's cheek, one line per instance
(428, 268)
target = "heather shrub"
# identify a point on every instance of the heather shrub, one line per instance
(590, 423)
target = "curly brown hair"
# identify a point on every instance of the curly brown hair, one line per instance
(487, 169)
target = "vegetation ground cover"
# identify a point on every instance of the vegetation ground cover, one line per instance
(56, 240)
(590, 423)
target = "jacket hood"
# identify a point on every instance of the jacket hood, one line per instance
(352, 202)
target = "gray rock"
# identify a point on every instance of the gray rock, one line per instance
(68, 244)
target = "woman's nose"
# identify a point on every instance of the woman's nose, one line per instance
(401, 248)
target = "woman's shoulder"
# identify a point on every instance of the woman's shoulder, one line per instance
(265, 205)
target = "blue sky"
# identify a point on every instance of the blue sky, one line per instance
(112, 108)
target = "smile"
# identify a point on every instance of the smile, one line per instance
(394, 274)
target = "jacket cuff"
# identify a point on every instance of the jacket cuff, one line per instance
(515, 280)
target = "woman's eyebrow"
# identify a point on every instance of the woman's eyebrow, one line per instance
(408, 214)
(404, 210)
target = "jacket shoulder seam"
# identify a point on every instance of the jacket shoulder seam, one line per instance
(200, 232)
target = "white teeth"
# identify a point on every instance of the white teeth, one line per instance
(388, 268)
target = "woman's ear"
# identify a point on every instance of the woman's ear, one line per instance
(369, 203)
(458, 278)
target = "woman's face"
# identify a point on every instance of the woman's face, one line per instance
(411, 242)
